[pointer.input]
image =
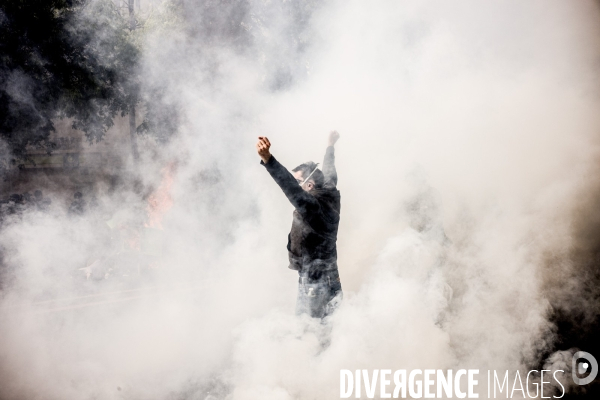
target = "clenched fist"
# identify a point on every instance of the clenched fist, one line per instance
(263, 147)
(333, 137)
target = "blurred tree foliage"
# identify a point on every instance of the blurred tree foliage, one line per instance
(82, 59)
(161, 115)
(72, 58)
(63, 58)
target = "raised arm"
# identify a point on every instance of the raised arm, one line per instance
(329, 171)
(302, 201)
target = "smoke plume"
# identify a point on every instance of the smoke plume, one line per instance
(468, 238)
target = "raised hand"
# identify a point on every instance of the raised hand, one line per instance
(333, 137)
(262, 146)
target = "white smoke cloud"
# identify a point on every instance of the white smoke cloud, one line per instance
(493, 104)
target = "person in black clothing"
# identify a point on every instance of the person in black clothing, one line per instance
(312, 239)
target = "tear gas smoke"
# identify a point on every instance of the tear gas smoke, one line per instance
(466, 165)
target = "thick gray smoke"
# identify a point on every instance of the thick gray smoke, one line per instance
(468, 135)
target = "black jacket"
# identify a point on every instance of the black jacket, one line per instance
(312, 239)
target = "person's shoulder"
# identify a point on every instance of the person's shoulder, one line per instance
(330, 187)
(327, 195)
(326, 190)
(335, 192)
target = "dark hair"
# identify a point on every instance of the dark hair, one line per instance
(309, 167)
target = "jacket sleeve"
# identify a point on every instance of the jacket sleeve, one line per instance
(329, 172)
(305, 203)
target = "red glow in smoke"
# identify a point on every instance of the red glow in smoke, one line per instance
(160, 201)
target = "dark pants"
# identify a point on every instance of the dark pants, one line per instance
(319, 297)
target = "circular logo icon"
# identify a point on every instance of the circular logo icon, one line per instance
(582, 367)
